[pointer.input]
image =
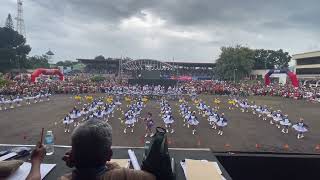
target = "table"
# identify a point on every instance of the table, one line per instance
(122, 153)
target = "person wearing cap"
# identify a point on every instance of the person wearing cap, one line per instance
(89, 163)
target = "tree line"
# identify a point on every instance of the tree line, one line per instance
(236, 63)
(14, 50)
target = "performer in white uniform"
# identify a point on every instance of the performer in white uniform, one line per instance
(2, 103)
(129, 121)
(285, 124)
(18, 100)
(213, 119)
(168, 121)
(301, 128)
(67, 121)
(193, 122)
(277, 118)
(222, 122)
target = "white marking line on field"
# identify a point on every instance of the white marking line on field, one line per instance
(113, 147)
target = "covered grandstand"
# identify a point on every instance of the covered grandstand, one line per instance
(168, 70)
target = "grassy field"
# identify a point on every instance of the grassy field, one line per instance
(245, 131)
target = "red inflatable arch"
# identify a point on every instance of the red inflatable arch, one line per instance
(291, 75)
(43, 71)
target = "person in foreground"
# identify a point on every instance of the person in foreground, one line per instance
(90, 155)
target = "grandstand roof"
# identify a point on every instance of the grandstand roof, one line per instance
(116, 60)
(90, 61)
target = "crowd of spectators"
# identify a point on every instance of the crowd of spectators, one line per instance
(83, 83)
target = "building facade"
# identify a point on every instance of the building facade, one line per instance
(307, 65)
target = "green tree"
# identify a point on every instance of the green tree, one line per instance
(280, 58)
(235, 62)
(97, 78)
(13, 49)
(268, 59)
(9, 22)
(65, 63)
(3, 81)
(100, 57)
(35, 62)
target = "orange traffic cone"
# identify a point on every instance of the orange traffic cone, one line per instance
(257, 146)
(199, 142)
(227, 146)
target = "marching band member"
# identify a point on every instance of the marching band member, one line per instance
(67, 121)
(28, 98)
(222, 122)
(36, 97)
(217, 102)
(48, 96)
(73, 116)
(213, 119)
(168, 121)
(78, 99)
(18, 100)
(149, 125)
(285, 122)
(99, 114)
(277, 118)
(232, 104)
(187, 118)
(118, 103)
(254, 107)
(84, 112)
(11, 102)
(301, 128)
(265, 112)
(2, 103)
(193, 122)
(259, 111)
(129, 121)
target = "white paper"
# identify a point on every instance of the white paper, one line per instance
(8, 156)
(25, 168)
(134, 160)
(184, 168)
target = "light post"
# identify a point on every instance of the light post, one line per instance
(234, 75)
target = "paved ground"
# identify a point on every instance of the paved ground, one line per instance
(22, 126)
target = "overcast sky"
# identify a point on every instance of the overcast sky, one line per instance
(186, 30)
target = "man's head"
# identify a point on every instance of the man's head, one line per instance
(91, 144)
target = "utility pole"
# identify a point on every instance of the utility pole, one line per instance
(20, 21)
(9, 22)
(120, 68)
(234, 75)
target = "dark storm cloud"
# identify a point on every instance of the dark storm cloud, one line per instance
(178, 27)
(194, 12)
(94, 10)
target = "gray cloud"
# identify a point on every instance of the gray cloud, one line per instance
(191, 30)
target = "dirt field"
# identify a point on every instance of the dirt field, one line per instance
(245, 131)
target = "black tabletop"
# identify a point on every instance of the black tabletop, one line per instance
(122, 153)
